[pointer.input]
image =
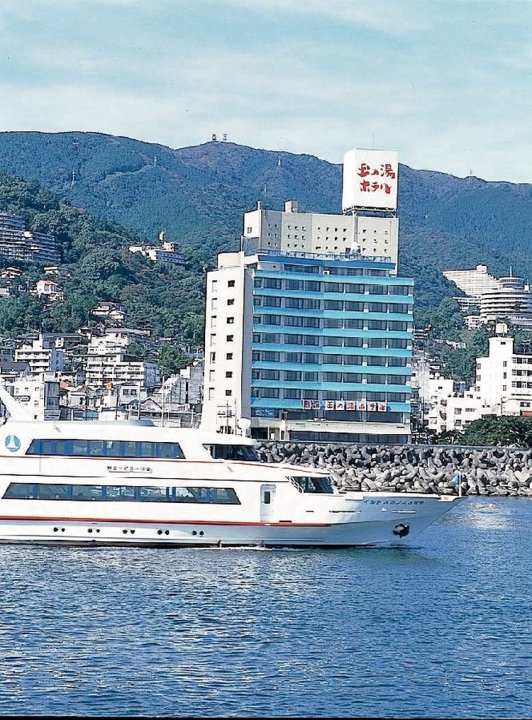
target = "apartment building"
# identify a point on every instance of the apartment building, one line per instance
(108, 362)
(41, 354)
(504, 379)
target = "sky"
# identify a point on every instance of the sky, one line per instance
(445, 83)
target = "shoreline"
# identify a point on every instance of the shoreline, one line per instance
(495, 471)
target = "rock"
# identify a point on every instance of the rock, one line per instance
(497, 471)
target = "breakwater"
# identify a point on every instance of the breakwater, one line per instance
(497, 471)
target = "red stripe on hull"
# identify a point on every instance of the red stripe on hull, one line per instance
(38, 518)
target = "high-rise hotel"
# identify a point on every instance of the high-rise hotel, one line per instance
(308, 332)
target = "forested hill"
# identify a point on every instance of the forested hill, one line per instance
(166, 300)
(197, 194)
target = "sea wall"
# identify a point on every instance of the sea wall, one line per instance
(413, 468)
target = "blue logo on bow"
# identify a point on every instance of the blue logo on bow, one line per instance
(12, 443)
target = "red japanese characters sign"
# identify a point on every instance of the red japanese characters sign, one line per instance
(370, 179)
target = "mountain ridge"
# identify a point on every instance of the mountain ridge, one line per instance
(198, 193)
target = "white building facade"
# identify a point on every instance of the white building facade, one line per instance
(289, 231)
(451, 410)
(39, 395)
(504, 298)
(41, 354)
(474, 282)
(504, 379)
(108, 363)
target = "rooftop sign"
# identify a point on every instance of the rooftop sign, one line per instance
(370, 179)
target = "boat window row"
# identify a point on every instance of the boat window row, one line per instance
(233, 452)
(121, 493)
(307, 484)
(107, 448)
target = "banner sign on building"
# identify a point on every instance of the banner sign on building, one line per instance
(310, 404)
(350, 405)
(370, 179)
(360, 405)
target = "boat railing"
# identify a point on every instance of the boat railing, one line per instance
(297, 485)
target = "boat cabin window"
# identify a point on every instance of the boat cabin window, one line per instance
(121, 493)
(233, 452)
(312, 484)
(107, 448)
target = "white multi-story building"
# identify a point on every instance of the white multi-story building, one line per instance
(449, 409)
(39, 395)
(116, 368)
(497, 298)
(511, 301)
(289, 231)
(108, 363)
(474, 282)
(115, 340)
(41, 354)
(308, 347)
(504, 379)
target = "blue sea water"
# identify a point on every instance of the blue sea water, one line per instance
(439, 630)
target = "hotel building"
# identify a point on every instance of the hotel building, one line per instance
(308, 347)
(308, 328)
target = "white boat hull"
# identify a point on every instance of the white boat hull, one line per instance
(374, 520)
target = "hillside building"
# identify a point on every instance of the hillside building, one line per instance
(49, 290)
(167, 251)
(511, 301)
(17, 243)
(504, 298)
(41, 354)
(474, 283)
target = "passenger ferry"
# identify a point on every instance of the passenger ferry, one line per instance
(134, 483)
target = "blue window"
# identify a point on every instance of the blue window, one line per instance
(121, 493)
(106, 448)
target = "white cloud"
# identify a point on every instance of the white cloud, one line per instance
(384, 15)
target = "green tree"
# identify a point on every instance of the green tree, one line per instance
(502, 430)
(172, 360)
